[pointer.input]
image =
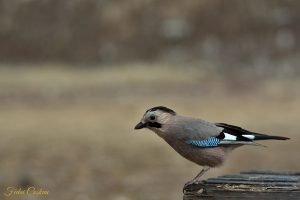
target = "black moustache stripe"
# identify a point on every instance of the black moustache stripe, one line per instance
(154, 124)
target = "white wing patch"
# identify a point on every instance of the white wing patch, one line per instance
(251, 137)
(229, 137)
(234, 138)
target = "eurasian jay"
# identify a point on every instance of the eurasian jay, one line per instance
(204, 143)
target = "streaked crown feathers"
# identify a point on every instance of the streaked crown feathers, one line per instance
(162, 109)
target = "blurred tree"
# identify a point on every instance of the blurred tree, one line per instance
(109, 31)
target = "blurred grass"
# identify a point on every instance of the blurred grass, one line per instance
(71, 130)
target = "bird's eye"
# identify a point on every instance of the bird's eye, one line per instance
(152, 117)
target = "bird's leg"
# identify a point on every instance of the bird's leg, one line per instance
(196, 179)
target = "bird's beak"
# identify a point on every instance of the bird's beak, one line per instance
(140, 125)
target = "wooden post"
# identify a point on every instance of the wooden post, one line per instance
(258, 185)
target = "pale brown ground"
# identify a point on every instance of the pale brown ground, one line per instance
(71, 131)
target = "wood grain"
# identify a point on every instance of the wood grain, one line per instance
(265, 185)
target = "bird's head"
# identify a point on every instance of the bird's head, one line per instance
(155, 118)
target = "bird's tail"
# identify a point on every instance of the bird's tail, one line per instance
(269, 137)
(245, 135)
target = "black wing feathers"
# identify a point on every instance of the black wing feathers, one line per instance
(239, 132)
(234, 130)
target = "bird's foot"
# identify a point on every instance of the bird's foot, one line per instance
(192, 185)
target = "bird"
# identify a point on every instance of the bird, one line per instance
(204, 143)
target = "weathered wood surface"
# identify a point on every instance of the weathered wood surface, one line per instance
(260, 185)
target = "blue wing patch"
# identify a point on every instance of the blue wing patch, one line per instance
(209, 142)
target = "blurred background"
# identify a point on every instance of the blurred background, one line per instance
(76, 76)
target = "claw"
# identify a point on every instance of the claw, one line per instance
(190, 186)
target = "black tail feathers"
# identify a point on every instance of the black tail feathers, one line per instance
(241, 133)
(269, 137)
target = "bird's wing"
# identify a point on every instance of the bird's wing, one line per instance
(205, 134)
(231, 135)
(242, 134)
